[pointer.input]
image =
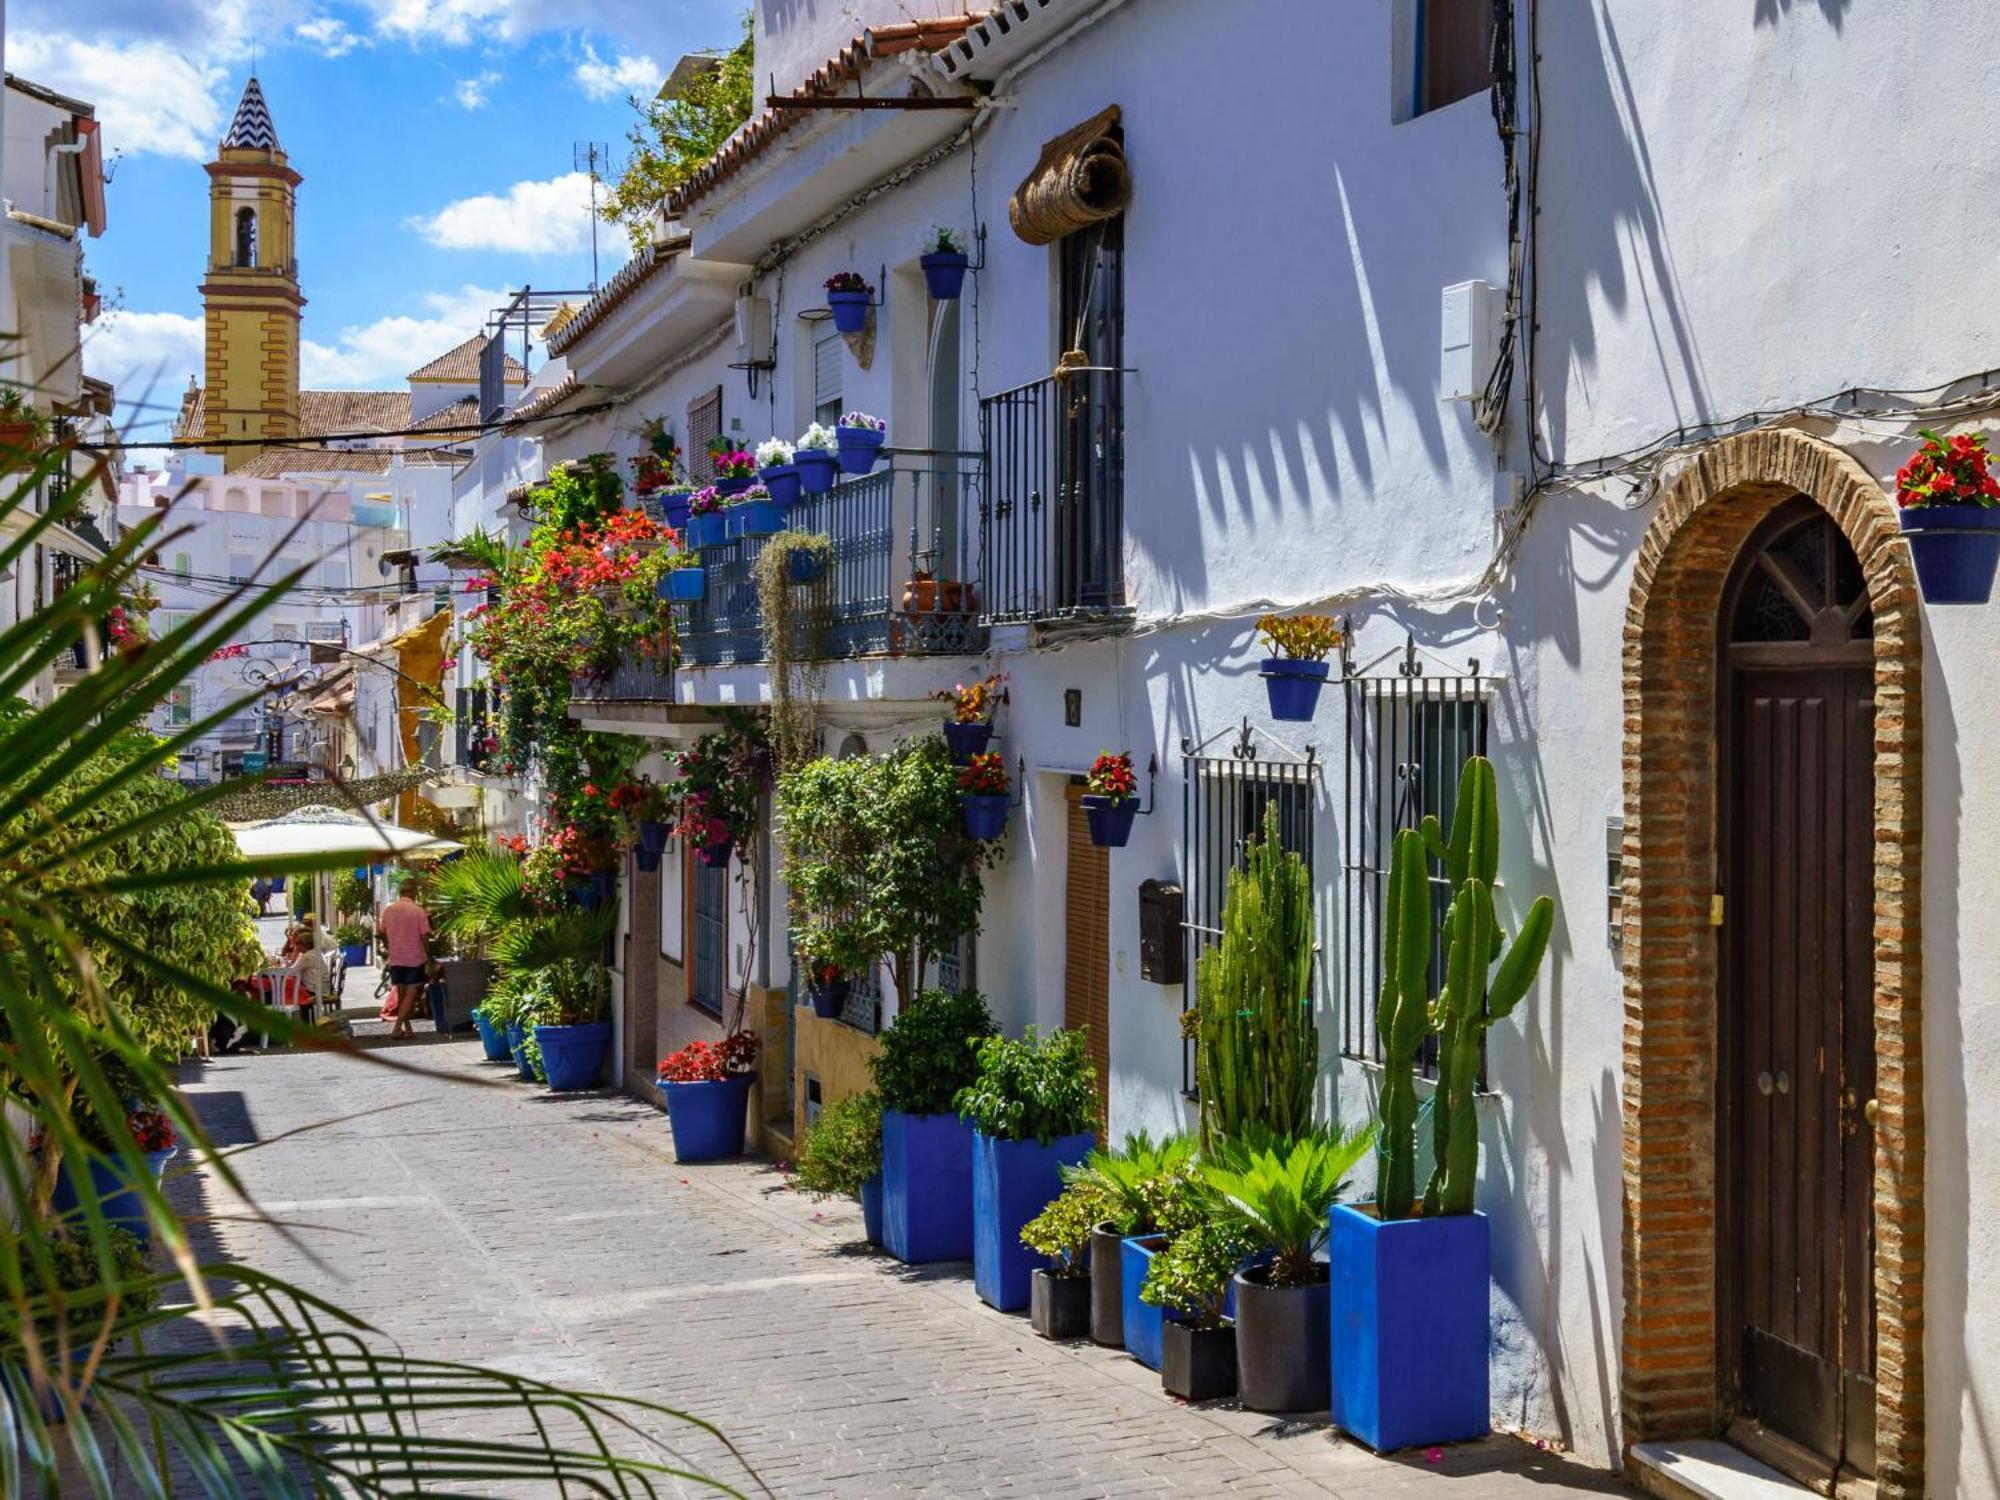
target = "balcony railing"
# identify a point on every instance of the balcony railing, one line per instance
(1052, 521)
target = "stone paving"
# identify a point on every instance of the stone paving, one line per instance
(557, 1237)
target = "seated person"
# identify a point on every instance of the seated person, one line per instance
(304, 959)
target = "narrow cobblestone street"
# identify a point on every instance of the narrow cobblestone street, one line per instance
(558, 1238)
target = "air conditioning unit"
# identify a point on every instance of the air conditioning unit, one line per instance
(753, 333)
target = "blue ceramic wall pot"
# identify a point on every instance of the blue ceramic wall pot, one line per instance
(715, 856)
(1956, 549)
(850, 310)
(735, 486)
(829, 1001)
(1293, 687)
(652, 844)
(859, 448)
(1409, 1327)
(674, 509)
(760, 517)
(117, 1196)
(944, 274)
(985, 814)
(708, 1119)
(966, 740)
(492, 1038)
(1012, 1181)
(573, 1056)
(926, 1187)
(816, 467)
(1110, 819)
(732, 523)
(871, 1209)
(684, 586)
(805, 567)
(709, 529)
(782, 480)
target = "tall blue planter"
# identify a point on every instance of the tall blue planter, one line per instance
(1409, 1327)
(1143, 1321)
(517, 1045)
(708, 1118)
(117, 1198)
(573, 1056)
(492, 1038)
(871, 1209)
(815, 466)
(1012, 1181)
(926, 1187)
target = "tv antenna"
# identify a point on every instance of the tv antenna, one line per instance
(591, 157)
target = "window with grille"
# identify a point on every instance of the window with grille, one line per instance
(180, 706)
(1409, 735)
(704, 427)
(708, 936)
(829, 360)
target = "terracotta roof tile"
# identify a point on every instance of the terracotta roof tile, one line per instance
(545, 400)
(321, 413)
(463, 412)
(460, 366)
(634, 274)
(273, 462)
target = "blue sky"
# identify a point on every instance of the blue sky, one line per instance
(434, 135)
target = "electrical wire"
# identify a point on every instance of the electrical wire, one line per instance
(366, 439)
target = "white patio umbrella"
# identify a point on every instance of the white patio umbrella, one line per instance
(332, 830)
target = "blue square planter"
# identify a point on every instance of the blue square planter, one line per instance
(926, 1187)
(871, 1209)
(1012, 1181)
(1409, 1326)
(1143, 1321)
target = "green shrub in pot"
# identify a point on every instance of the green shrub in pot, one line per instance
(1061, 1232)
(1032, 1088)
(842, 1149)
(931, 1052)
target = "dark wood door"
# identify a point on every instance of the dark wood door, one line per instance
(1797, 1069)
(1087, 951)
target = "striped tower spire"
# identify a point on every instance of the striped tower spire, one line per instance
(252, 129)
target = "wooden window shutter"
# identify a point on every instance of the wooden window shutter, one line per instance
(704, 426)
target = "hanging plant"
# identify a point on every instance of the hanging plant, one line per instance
(796, 622)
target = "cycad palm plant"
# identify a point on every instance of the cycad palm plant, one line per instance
(1131, 1177)
(1278, 1191)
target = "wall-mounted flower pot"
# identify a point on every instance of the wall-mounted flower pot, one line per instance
(926, 1187)
(944, 274)
(829, 1001)
(1012, 1181)
(782, 480)
(596, 890)
(708, 1119)
(1107, 1311)
(652, 844)
(760, 517)
(492, 1038)
(684, 585)
(859, 448)
(573, 1056)
(850, 310)
(985, 814)
(816, 468)
(278, 884)
(715, 856)
(1293, 687)
(354, 955)
(732, 523)
(1141, 1321)
(1198, 1364)
(871, 1209)
(1281, 1343)
(1110, 819)
(674, 510)
(805, 567)
(966, 740)
(517, 1044)
(1059, 1306)
(1410, 1337)
(1956, 549)
(117, 1195)
(735, 486)
(710, 529)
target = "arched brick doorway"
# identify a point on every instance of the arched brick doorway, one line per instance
(1668, 1366)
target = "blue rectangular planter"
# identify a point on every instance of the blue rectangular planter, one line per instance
(1143, 1321)
(871, 1209)
(926, 1187)
(1410, 1327)
(1012, 1181)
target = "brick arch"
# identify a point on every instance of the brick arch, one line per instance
(1667, 1366)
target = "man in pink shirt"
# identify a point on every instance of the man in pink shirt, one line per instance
(406, 929)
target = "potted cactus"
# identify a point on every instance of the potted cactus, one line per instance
(776, 469)
(944, 261)
(1410, 1276)
(850, 299)
(814, 457)
(1297, 668)
(1951, 511)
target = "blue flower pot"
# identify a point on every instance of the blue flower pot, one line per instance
(732, 523)
(782, 480)
(1293, 687)
(1143, 1321)
(965, 740)
(850, 310)
(674, 510)
(652, 844)
(354, 955)
(815, 466)
(492, 1038)
(684, 586)
(117, 1197)
(926, 1187)
(709, 529)
(716, 856)
(805, 567)
(727, 487)
(1110, 819)
(597, 888)
(859, 448)
(1956, 549)
(944, 274)
(1012, 1181)
(708, 1119)
(760, 517)
(985, 814)
(573, 1056)
(517, 1044)
(871, 1209)
(829, 1001)
(1409, 1327)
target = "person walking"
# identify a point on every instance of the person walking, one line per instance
(405, 928)
(260, 892)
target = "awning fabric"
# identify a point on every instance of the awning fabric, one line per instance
(421, 653)
(1080, 180)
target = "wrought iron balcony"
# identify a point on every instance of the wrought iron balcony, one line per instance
(1052, 519)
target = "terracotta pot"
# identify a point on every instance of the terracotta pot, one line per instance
(920, 595)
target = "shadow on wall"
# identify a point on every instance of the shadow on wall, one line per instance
(1771, 12)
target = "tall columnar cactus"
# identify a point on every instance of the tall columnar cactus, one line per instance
(1474, 996)
(1256, 1045)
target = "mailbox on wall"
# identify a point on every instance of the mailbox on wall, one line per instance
(1161, 954)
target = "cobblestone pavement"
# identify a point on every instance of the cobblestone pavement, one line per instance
(557, 1237)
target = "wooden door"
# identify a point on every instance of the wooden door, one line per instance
(1087, 949)
(1795, 1157)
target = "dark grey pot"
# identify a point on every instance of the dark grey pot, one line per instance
(1282, 1362)
(1107, 1287)
(1198, 1364)
(1059, 1306)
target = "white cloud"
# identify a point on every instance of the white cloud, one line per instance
(379, 354)
(328, 35)
(147, 357)
(452, 22)
(471, 92)
(629, 74)
(150, 95)
(530, 218)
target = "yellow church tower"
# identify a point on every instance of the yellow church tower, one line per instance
(250, 297)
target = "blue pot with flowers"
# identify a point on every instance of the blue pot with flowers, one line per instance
(112, 1184)
(816, 459)
(776, 471)
(1111, 800)
(756, 513)
(944, 263)
(1297, 670)
(984, 795)
(707, 526)
(848, 297)
(674, 505)
(860, 438)
(1950, 509)
(684, 586)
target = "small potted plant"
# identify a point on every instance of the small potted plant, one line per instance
(708, 526)
(1111, 799)
(860, 438)
(827, 989)
(971, 723)
(707, 1085)
(814, 457)
(983, 787)
(1190, 1280)
(1059, 1293)
(1297, 669)
(675, 502)
(684, 582)
(755, 513)
(776, 469)
(23, 430)
(118, 1196)
(698, 824)
(808, 556)
(351, 938)
(944, 262)
(642, 804)
(928, 1055)
(735, 470)
(1032, 1109)
(1951, 509)
(850, 298)
(572, 1034)
(1131, 1179)
(840, 1156)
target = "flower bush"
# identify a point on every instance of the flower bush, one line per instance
(711, 1062)
(773, 453)
(819, 437)
(985, 775)
(723, 778)
(1111, 776)
(1948, 471)
(1300, 637)
(849, 281)
(861, 421)
(734, 463)
(755, 492)
(974, 703)
(706, 502)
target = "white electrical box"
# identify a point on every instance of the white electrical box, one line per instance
(1469, 339)
(753, 331)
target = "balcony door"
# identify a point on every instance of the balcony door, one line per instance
(1090, 421)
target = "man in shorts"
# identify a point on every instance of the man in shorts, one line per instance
(405, 929)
